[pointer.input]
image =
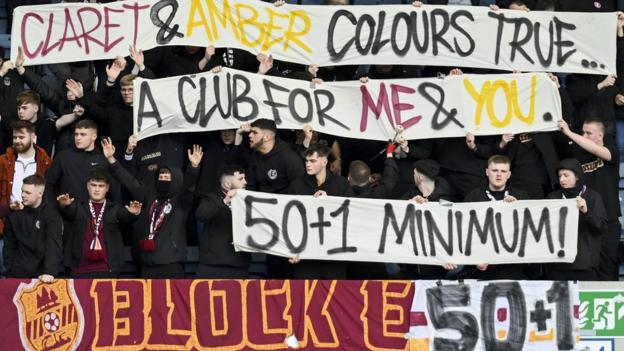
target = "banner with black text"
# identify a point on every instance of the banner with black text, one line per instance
(457, 36)
(352, 229)
(425, 107)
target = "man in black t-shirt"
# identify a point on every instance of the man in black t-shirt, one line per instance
(599, 157)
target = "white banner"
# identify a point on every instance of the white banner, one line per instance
(497, 315)
(458, 36)
(426, 108)
(351, 229)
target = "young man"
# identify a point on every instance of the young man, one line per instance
(114, 113)
(71, 167)
(94, 247)
(592, 224)
(498, 173)
(600, 160)
(217, 258)
(224, 150)
(317, 182)
(429, 186)
(361, 181)
(28, 103)
(33, 235)
(21, 160)
(273, 164)
(161, 230)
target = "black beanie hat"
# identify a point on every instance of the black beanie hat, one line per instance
(429, 168)
(573, 165)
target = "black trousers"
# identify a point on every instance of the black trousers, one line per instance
(609, 261)
(206, 271)
(163, 271)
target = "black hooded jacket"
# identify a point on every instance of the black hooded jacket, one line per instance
(591, 225)
(33, 242)
(171, 237)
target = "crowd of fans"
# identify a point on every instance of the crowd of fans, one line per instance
(76, 187)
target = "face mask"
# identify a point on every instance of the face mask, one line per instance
(162, 187)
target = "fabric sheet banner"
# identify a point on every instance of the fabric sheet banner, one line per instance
(426, 108)
(351, 229)
(139, 314)
(463, 36)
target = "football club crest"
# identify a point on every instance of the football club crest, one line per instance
(50, 315)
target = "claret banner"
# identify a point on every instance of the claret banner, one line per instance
(458, 36)
(139, 314)
(425, 107)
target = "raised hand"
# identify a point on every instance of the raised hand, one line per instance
(79, 111)
(195, 155)
(108, 149)
(16, 206)
(505, 139)
(114, 69)
(470, 141)
(134, 207)
(75, 88)
(6, 67)
(20, 59)
(266, 63)
(138, 57)
(64, 200)
(132, 143)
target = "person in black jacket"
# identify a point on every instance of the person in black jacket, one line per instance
(64, 103)
(161, 230)
(273, 164)
(217, 258)
(114, 112)
(498, 173)
(225, 150)
(33, 235)
(12, 84)
(600, 161)
(319, 182)
(71, 167)
(428, 187)
(592, 224)
(533, 162)
(93, 247)
(364, 185)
